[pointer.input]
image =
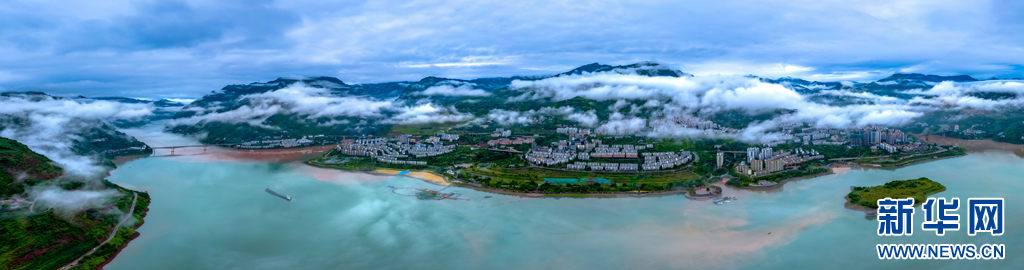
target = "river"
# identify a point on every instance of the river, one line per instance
(210, 211)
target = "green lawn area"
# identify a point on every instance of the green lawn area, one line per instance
(948, 153)
(421, 129)
(919, 189)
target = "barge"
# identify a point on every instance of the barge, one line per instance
(289, 198)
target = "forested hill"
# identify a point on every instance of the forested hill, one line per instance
(18, 161)
(49, 235)
(615, 99)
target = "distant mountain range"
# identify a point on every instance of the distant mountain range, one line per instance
(80, 126)
(590, 95)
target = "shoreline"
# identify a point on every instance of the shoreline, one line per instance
(859, 165)
(142, 220)
(602, 195)
(119, 249)
(871, 212)
(782, 182)
(685, 192)
(985, 144)
(908, 163)
(124, 245)
(426, 176)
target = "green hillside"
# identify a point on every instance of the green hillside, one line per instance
(43, 239)
(919, 189)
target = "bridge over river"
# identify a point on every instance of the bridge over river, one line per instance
(204, 146)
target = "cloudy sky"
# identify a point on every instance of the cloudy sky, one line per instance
(184, 49)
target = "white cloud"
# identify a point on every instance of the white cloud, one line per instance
(956, 94)
(864, 95)
(299, 99)
(67, 202)
(588, 118)
(622, 127)
(429, 113)
(185, 101)
(701, 95)
(49, 126)
(448, 90)
(505, 117)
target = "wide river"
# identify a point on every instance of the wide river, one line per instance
(210, 211)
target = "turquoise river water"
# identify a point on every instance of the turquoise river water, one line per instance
(210, 212)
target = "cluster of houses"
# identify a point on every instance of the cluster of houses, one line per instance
(501, 132)
(572, 130)
(596, 166)
(279, 143)
(664, 160)
(617, 151)
(690, 123)
(912, 147)
(421, 151)
(968, 131)
(392, 160)
(548, 157)
(14, 204)
(764, 161)
(448, 137)
(504, 141)
(565, 153)
(888, 147)
(392, 151)
(367, 148)
(114, 151)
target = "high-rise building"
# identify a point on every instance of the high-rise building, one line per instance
(757, 165)
(766, 153)
(720, 158)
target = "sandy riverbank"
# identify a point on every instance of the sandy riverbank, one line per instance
(973, 145)
(422, 175)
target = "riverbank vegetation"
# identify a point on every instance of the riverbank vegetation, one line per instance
(533, 179)
(37, 237)
(744, 181)
(900, 159)
(919, 189)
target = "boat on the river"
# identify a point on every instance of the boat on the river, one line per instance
(723, 200)
(289, 198)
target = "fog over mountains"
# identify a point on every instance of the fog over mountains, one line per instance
(626, 99)
(75, 132)
(636, 94)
